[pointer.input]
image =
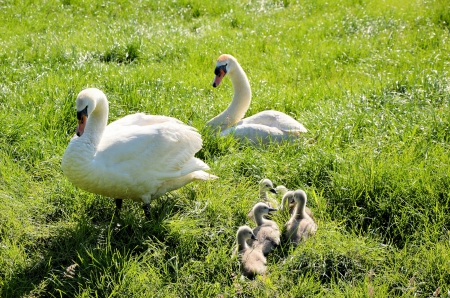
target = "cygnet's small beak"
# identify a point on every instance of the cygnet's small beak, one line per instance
(273, 190)
(272, 210)
(254, 237)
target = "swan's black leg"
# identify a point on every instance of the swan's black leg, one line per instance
(146, 208)
(118, 207)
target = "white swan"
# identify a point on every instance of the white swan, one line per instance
(267, 231)
(252, 259)
(138, 157)
(300, 226)
(262, 127)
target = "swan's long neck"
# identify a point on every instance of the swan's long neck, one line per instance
(77, 160)
(96, 123)
(241, 100)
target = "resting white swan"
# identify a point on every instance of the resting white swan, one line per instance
(252, 259)
(138, 157)
(300, 226)
(267, 231)
(261, 127)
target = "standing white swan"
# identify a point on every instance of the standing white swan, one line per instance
(138, 157)
(262, 127)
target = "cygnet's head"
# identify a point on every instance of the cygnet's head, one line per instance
(300, 197)
(262, 209)
(244, 233)
(289, 197)
(267, 185)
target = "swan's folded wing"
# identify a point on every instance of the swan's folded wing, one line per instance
(275, 119)
(255, 133)
(139, 119)
(161, 150)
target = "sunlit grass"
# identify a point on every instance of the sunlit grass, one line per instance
(369, 79)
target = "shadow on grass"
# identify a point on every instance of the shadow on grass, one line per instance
(75, 257)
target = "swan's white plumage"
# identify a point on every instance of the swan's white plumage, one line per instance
(138, 157)
(262, 127)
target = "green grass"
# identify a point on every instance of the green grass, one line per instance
(369, 79)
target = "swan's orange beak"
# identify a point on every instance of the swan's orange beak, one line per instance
(218, 79)
(81, 125)
(220, 72)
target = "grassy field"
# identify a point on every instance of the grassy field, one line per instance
(369, 79)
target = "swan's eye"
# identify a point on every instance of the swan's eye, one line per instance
(218, 70)
(82, 112)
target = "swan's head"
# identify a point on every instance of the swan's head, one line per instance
(224, 65)
(299, 197)
(86, 103)
(267, 185)
(261, 209)
(244, 233)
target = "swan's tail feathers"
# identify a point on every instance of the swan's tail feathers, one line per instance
(293, 133)
(297, 130)
(194, 164)
(201, 175)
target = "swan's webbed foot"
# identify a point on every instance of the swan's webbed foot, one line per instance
(146, 208)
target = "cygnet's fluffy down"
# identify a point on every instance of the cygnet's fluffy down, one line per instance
(300, 226)
(252, 259)
(267, 231)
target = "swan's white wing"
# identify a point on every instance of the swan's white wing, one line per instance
(141, 119)
(275, 119)
(255, 133)
(161, 151)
